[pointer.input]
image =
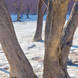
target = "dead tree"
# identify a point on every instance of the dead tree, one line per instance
(54, 26)
(19, 65)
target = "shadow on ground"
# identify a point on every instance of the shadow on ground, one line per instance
(3, 70)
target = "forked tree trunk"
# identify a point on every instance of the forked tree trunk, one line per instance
(19, 65)
(54, 26)
(67, 38)
(38, 33)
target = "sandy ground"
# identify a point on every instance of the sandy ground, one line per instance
(34, 51)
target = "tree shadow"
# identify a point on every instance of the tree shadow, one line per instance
(40, 41)
(70, 63)
(3, 70)
(75, 46)
(32, 46)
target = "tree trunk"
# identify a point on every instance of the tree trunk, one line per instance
(54, 26)
(67, 38)
(38, 34)
(19, 65)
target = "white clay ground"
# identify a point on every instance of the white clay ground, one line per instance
(35, 50)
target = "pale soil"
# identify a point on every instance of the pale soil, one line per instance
(35, 51)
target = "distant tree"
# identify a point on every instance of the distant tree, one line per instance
(28, 11)
(18, 8)
(19, 65)
(38, 33)
(57, 10)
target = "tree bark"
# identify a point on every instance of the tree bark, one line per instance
(38, 33)
(19, 65)
(54, 25)
(67, 38)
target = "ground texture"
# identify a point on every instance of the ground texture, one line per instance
(35, 50)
